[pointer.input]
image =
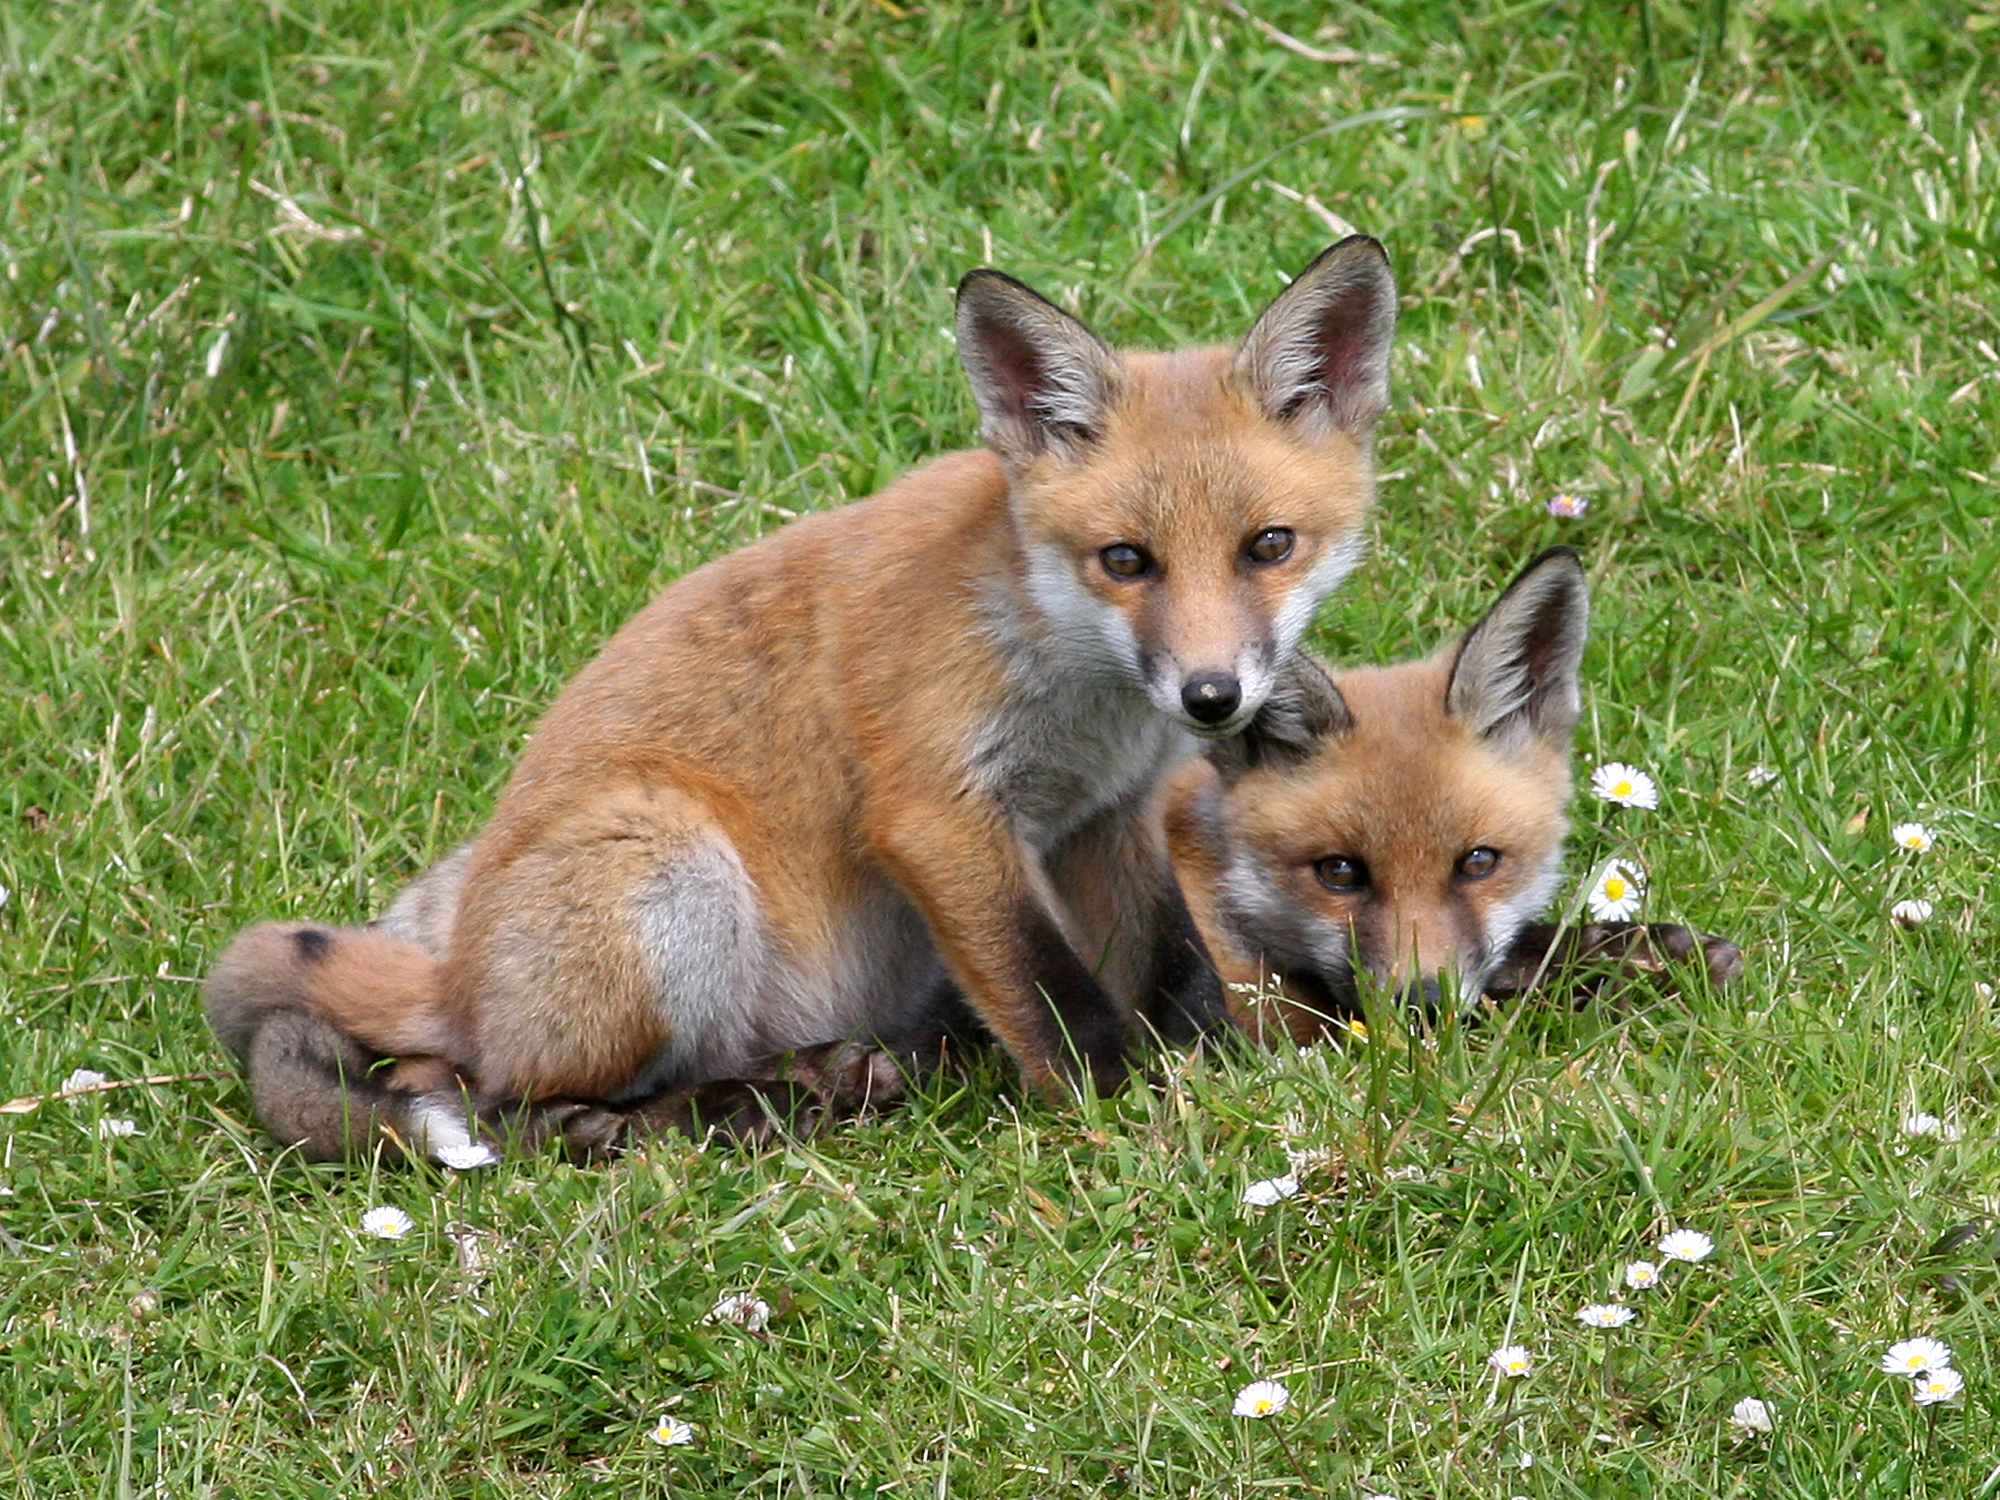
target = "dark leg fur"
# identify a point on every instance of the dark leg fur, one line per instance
(802, 1093)
(1081, 1025)
(1603, 958)
(1183, 999)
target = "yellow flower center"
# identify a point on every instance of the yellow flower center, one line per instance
(1614, 888)
(1621, 788)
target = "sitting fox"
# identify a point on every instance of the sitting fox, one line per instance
(910, 747)
(1406, 823)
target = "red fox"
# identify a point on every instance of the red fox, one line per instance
(908, 746)
(1405, 822)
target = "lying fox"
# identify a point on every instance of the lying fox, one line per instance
(1404, 823)
(909, 747)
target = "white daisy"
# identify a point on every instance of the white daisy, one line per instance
(1913, 912)
(113, 1129)
(83, 1078)
(1568, 507)
(1937, 1385)
(1511, 1359)
(1620, 889)
(387, 1223)
(1922, 1356)
(1606, 1315)
(1926, 1125)
(1627, 786)
(1912, 836)
(466, 1155)
(745, 1309)
(1271, 1190)
(1689, 1245)
(1642, 1274)
(1261, 1398)
(671, 1432)
(1752, 1416)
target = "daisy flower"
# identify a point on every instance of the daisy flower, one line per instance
(1912, 836)
(466, 1155)
(1261, 1398)
(81, 1079)
(111, 1129)
(1641, 1274)
(1569, 507)
(1937, 1385)
(671, 1432)
(1923, 1125)
(1689, 1245)
(1752, 1416)
(1917, 1357)
(1913, 912)
(1271, 1190)
(1606, 1315)
(387, 1223)
(1627, 786)
(745, 1309)
(1511, 1359)
(1620, 888)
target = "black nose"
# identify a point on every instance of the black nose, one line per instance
(1211, 697)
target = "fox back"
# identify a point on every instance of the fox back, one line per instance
(1404, 823)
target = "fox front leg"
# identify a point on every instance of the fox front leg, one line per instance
(1601, 956)
(1117, 883)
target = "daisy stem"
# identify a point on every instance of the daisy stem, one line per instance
(1291, 1457)
(1506, 1416)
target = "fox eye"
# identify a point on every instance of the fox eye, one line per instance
(1123, 560)
(1272, 544)
(1339, 873)
(1479, 863)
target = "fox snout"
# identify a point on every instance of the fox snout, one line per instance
(1213, 693)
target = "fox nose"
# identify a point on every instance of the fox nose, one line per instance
(1211, 697)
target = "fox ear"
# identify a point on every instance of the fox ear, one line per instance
(1043, 382)
(1304, 709)
(1318, 358)
(1516, 673)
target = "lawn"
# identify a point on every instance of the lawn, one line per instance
(365, 366)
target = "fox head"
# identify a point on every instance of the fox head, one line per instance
(1182, 515)
(1406, 822)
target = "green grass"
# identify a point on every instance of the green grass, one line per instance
(364, 367)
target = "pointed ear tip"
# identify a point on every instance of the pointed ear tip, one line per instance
(1563, 563)
(978, 277)
(1360, 244)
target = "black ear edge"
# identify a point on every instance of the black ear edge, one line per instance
(984, 292)
(1304, 710)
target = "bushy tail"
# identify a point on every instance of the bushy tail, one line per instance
(343, 1036)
